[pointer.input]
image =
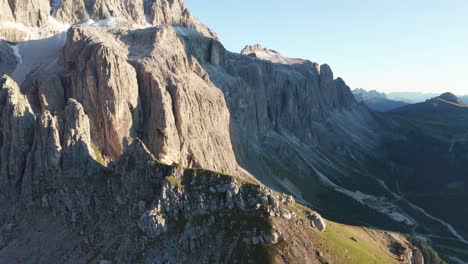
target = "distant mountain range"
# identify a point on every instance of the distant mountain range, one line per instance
(446, 116)
(435, 146)
(417, 97)
(411, 97)
(382, 102)
(464, 99)
(377, 101)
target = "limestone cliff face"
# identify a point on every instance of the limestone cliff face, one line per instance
(6, 15)
(162, 78)
(280, 99)
(76, 141)
(34, 13)
(154, 12)
(16, 137)
(100, 78)
(35, 154)
(143, 84)
(26, 19)
(43, 168)
(17, 16)
(186, 97)
(184, 116)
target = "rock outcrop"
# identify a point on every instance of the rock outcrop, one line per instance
(76, 140)
(6, 15)
(8, 60)
(184, 115)
(100, 78)
(144, 84)
(125, 134)
(154, 12)
(25, 19)
(17, 128)
(18, 18)
(33, 13)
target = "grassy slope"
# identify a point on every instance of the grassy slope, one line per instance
(361, 175)
(339, 243)
(442, 120)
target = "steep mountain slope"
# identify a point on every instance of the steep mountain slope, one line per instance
(154, 73)
(138, 209)
(446, 116)
(431, 158)
(376, 101)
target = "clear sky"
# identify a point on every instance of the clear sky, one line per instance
(388, 45)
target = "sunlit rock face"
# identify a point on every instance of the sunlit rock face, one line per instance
(129, 132)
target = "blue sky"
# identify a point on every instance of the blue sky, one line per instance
(388, 45)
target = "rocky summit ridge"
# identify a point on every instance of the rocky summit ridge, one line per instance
(19, 18)
(129, 134)
(450, 97)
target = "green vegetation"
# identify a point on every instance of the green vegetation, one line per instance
(98, 154)
(430, 256)
(329, 203)
(446, 127)
(193, 172)
(450, 247)
(346, 250)
(175, 181)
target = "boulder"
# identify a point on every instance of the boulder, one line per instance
(317, 221)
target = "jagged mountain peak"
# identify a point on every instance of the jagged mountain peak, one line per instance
(100, 111)
(21, 19)
(258, 51)
(257, 48)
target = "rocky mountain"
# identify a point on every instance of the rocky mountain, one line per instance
(434, 144)
(411, 97)
(446, 103)
(130, 134)
(376, 101)
(37, 18)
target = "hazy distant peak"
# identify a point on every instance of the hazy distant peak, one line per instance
(449, 97)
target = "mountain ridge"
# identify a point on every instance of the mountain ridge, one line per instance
(376, 101)
(189, 102)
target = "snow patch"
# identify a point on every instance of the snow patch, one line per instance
(109, 22)
(276, 57)
(32, 59)
(17, 53)
(182, 31)
(57, 25)
(52, 28)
